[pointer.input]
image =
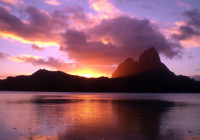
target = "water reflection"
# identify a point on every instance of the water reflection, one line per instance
(138, 120)
(71, 117)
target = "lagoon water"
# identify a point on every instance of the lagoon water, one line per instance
(99, 116)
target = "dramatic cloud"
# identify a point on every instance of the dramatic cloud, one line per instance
(98, 36)
(40, 27)
(189, 31)
(36, 47)
(114, 40)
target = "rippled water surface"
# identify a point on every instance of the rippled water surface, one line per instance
(99, 116)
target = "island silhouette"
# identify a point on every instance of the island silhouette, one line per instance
(148, 74)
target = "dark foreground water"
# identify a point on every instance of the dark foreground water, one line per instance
(99, 116)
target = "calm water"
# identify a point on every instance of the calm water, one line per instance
(99, 116)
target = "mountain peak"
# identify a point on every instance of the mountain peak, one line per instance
(151, 56)
(40, 71)
(126, 68)
(128, 60)
(149, 60)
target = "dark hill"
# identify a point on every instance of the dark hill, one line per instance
(149, 74)
(44, 80)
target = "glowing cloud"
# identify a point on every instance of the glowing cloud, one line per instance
(52, 2)
(11, 36)
(191, 42)
(113, 40)
(104, 8)
(13, 2)
(24, 58)
(188, 32)
(31, 31)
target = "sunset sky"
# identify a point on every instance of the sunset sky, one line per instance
(91, 37)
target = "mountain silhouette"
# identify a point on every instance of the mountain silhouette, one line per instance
(149, 60)
(148, 74)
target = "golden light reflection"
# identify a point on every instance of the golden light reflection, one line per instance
(42, 138)
(90, 113)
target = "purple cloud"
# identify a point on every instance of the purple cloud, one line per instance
(114, 40)
(2, 55)
(51, 62)
(186, 32)
(193, 17)
(191, 27)
(78, 16)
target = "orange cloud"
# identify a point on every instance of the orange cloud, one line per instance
(39, 41)
(191, 42)
(180, 23)
(52, 2)
(187, 43)
(13, 2)
(24, 58)
(168, 32)
(104, 8)
(188, 32)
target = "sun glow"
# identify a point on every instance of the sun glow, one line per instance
(88, 73)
